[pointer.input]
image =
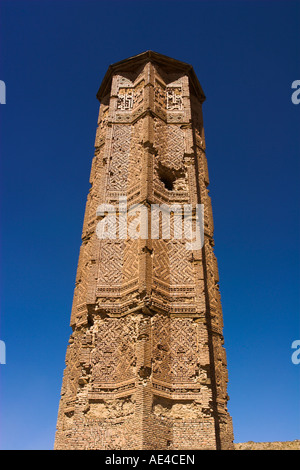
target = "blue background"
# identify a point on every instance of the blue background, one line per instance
(53, 56)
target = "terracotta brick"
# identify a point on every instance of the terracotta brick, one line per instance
(145, 365)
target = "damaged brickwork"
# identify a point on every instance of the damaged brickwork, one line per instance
(145, 365)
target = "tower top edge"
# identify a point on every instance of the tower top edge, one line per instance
(135, 61)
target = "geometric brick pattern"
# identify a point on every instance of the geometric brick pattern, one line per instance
(146, 365)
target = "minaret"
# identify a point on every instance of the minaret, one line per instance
(145, 365)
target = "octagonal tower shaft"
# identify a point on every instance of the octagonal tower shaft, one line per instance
(145, 365)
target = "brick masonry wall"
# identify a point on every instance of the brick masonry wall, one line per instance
(145, 365)
(285, 445)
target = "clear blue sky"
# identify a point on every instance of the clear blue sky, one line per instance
(53, 56)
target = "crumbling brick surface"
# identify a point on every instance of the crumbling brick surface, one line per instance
(285, 445)
(145, 365)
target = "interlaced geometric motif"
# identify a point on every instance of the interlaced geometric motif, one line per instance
(174, 98)
(72, 371)
(175, 145)
(172, 262)
(136, 156)
(181, 268)
(113, 357)
(169, 141)
(125, 99)
(160, 94)
(161, 266)
(118, 168)
(131, 261)
(174, 349)
(130, 97)
(111, 262)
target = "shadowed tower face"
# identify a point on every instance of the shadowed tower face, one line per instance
(145, 364)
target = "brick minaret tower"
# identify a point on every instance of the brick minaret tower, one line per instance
(145, 364)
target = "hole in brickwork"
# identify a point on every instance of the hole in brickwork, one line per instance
(168, 181)
(166, 176)
(144, 372)
(171, 178)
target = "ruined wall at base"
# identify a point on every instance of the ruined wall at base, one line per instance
(276, 445)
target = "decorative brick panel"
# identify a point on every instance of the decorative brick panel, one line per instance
(145, 365)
